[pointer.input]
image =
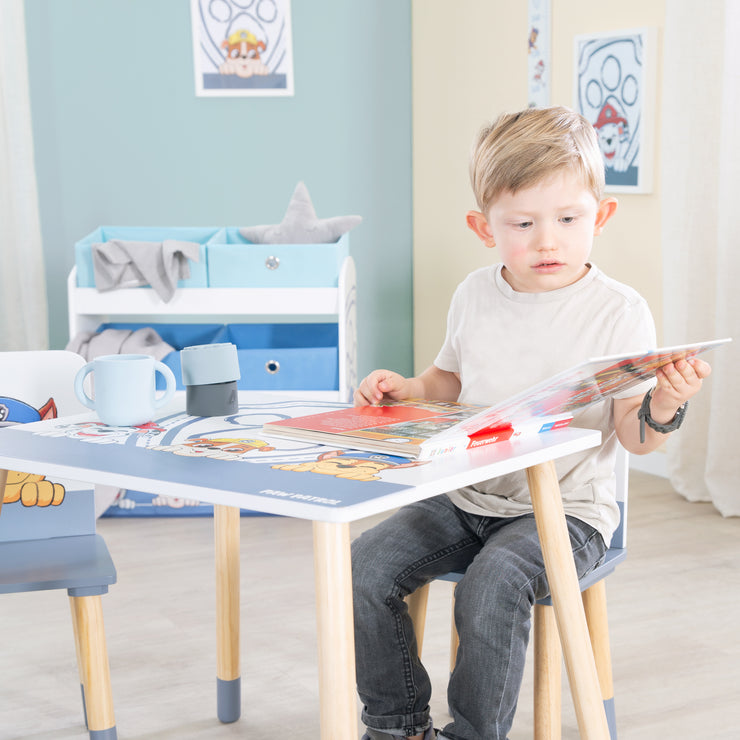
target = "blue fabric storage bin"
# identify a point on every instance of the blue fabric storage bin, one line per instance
(286, 357)
(234, 262)
(280, 357)
(198, 270)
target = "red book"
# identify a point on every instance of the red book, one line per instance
(415, 428)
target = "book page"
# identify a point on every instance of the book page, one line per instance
(580, 386)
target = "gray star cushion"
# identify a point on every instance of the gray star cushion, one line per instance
(300, 225)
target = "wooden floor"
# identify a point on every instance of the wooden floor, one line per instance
(673, 611)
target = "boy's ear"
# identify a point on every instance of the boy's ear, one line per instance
(604, 212)
(478, 223)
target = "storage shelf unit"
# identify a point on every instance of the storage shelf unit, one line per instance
(89, 308)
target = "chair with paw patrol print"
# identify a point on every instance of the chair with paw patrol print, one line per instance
(47, 526)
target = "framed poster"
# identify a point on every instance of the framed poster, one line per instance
(538, 54)
(242, 47)
(615, 80)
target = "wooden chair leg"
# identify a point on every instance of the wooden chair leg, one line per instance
(78, 652)
(87, 619)
(454, 637)
(548, 657)
(594, 605)
(417, 604)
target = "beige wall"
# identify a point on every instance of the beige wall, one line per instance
(469, 65)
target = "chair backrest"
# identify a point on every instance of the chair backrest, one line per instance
(39, 385)
(621, 471)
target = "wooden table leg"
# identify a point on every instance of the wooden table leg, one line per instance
(228, 678)
(548, 661)
(566, 599)
(336, 640)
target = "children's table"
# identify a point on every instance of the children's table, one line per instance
(230, 463)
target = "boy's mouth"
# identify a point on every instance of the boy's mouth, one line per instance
(547, 265)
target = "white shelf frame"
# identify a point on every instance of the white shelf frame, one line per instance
(88, 308)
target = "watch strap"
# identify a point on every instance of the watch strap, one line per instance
(645, 418)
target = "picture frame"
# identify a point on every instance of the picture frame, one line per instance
(242, 49)
(539, 39)
(615, 89)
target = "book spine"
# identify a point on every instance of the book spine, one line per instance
(460, 444)
(548, 426)
(492, 436)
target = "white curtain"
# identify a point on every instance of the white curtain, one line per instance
(23, 305)
(700, 155)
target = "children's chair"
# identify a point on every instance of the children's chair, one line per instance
(547, 650)
(47, 526)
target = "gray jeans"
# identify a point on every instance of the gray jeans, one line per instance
(493, 602)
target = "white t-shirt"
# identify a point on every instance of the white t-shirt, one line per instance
(501, 342)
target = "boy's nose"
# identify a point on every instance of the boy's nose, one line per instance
(545, 239)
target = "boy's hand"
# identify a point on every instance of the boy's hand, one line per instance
(381, 384)
(677, 383)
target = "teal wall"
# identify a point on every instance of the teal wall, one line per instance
(121, 139)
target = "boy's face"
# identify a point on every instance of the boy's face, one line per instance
(544, 233)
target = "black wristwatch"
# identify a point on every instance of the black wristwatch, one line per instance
(644, 416)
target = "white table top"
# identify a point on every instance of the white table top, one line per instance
(249, 470)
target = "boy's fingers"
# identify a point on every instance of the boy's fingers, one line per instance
(668, 376)
(693, 370)
(368, 391)
(683, 378)
(701, 368)
(679, 373)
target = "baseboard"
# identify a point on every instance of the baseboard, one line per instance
(654, 463)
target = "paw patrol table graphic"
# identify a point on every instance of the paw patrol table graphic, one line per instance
(200, 445)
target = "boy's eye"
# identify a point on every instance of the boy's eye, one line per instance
(523, 224)
(568, 219)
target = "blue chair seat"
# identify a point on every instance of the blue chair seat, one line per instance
(81, 564)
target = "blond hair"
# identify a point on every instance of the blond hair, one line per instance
(520, 150)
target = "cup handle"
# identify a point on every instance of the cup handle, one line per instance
(169, 378)
(82, 373)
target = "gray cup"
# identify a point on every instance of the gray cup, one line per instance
(209, 374)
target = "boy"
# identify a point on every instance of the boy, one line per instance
(538, 179)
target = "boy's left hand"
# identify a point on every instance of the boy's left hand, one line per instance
(677, 383)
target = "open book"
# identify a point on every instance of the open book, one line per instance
(424, 429)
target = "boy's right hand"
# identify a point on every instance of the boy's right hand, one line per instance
(381, 384)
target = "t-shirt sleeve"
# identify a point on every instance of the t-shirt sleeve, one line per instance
(448, 358)
(635, 332)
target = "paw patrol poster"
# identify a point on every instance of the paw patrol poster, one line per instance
(538, 53)
(615, 90)
(242, 48)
